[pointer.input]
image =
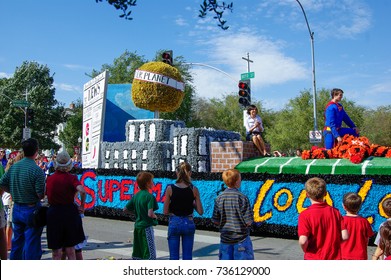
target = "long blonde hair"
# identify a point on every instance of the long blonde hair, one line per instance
(183, 172)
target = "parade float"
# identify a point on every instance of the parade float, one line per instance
(274, 185)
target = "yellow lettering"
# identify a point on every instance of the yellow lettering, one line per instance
(257, 206)
(288, 202)
(363, 192)
(328, 199)
(300, 202)
(381, 210)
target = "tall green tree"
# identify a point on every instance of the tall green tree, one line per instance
(377, 125)
(121, 71)
(73, 129)
(225, 114)
(35, 81)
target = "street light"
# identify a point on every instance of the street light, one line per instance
(313, 65)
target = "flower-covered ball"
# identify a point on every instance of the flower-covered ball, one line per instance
(157, 86)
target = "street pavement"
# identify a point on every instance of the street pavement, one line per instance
(110, 239)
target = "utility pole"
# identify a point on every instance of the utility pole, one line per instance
(248, 61)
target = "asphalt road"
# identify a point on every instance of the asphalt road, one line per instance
(112, 239)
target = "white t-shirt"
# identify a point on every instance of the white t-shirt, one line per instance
(250, 123)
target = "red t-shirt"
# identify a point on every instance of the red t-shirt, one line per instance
(359, 229)
(61, 188)
(322, 224)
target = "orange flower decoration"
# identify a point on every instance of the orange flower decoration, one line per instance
(356, 149)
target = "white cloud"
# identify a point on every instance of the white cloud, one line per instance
(77, 67)
(381, 88)
(327, 18)
(5, 75)
(180, 21)
(271, 65)
(67, 87)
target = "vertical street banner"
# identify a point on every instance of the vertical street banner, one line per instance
(94, 107)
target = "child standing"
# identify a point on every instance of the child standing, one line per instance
(385, 240)
(143, 204)
(233, 216)
(359, 229)
(320, 226)
(386, 205)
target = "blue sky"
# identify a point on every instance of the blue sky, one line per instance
(352, 43)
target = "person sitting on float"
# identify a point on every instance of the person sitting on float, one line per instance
(254, 128)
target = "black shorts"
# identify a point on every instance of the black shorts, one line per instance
(64, 226)
(249, 135)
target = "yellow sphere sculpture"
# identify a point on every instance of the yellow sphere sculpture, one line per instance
(157, 86)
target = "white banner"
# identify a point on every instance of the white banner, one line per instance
(158, 78)
(196, 269)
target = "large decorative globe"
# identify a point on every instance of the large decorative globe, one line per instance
(157, 86)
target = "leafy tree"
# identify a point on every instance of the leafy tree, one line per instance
(291, 125)
(377, 125)
(221, 114)
(123, 68)
(226, 114)
(217, 7)
(34, 80)
(73, 129)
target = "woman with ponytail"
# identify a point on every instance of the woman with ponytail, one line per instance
(181, 200)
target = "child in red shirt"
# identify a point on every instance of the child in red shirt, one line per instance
(320, 227)
(359, 229)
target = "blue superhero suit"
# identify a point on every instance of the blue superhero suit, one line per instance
(334, 116)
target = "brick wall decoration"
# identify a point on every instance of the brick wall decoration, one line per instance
(194, 146)
(226, 155)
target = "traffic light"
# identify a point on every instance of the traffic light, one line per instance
(244, 93)
(167, 57)
(30, 116)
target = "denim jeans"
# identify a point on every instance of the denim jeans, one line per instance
(239, 251)
(181, 227)
(26, 240)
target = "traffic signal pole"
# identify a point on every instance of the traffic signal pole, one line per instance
(248, 66)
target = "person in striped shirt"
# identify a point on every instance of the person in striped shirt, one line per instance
(26, 183)
(234, 217)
